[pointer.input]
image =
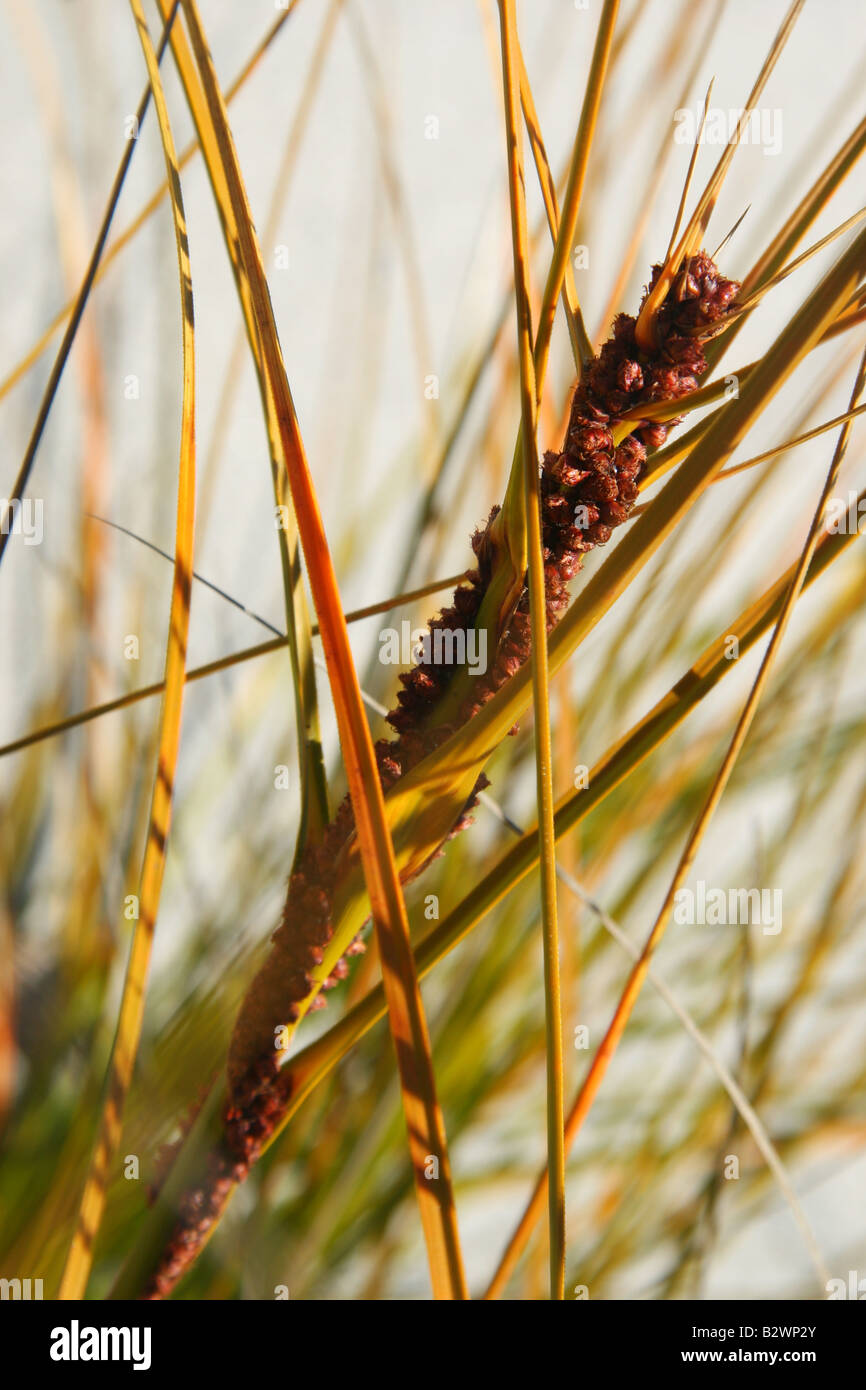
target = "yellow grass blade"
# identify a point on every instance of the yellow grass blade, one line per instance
(125, 1046)
(790, 443)
(423, 1116)
(689, 175)
(540, 687)
(745, 303)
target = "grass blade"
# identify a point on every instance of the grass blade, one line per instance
(125, 1046)
(540, 687)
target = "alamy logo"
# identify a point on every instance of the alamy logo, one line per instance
(845, 518)
(716, 907)
(854, 1288)
(24, 1289)
(19, 518)
(759, 127)
(75, 1343)
(441, 647)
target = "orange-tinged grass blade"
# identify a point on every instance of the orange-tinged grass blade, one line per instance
(408, 1025)
(511, 68)
(691, 238)
(123, 239)
(609, 1043)
(125, 1047)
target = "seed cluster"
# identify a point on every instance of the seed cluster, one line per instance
(587, 490)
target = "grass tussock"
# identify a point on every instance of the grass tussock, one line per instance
(633, 609)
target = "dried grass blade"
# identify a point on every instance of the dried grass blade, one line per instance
(125, 1047)
(540, 684)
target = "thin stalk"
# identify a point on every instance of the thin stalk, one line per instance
(131, 1013)
(540, 684)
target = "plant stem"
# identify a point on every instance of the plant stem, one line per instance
(540, 689)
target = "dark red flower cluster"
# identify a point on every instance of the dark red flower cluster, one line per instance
(587, 490)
